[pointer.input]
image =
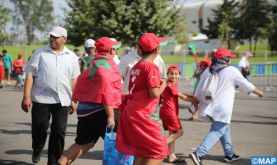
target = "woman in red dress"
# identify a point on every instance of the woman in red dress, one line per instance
(140, 131)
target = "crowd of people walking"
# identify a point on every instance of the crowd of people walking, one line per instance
(136, 96)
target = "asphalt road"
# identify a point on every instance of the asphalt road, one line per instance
(253, 129)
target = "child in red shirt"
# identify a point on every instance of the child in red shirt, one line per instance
(170, 110)
(140, 130)
(204, 64)
(2, 71)
(18, 66)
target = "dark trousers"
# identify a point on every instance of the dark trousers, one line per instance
(41, 114)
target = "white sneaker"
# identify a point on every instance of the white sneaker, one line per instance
(252, 95)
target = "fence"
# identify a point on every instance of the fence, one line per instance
(264, 74)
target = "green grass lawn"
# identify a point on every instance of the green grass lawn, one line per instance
(169, 59)
(26, 50)
(261, 50)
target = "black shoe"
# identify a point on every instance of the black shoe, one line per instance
(197, 160)
(53, 163)
(36, 156)
(233, 158)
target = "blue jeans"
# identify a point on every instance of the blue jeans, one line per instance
(218, 131)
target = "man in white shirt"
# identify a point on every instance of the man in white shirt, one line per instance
(220, 107)
(50, 79)
(129, 60)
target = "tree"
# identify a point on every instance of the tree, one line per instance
(124, 19)
(36, 15)
(4, 18)
(272, 38)
(254, 22)
(222, 25)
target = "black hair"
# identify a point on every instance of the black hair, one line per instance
(146, 53)
(105, 51)
(4, 51)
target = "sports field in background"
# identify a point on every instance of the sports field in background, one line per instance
(169, 59)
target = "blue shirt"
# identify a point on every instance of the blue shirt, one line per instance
(7, 61)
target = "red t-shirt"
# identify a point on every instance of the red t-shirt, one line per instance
(170, 108)
(144, 75)
(140, 130)
(18, 65)
(170, 98)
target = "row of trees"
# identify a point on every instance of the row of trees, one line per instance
(252, 20)
(124, 19)
(32, 15)
(4, 18)
(127, 19)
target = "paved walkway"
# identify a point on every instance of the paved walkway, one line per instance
(254, 132)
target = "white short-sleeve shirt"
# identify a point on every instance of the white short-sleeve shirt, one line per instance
(129, 60)
(160, 63)
(126, 64)
(243, 63)
(52, 75)
(116, 59)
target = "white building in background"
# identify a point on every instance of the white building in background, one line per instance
(203, 44)
(196, 15)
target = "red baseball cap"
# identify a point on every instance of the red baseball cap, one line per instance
(104, 43)
(206, 61)
(173, 67)
(149, 41)
(223, 52)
